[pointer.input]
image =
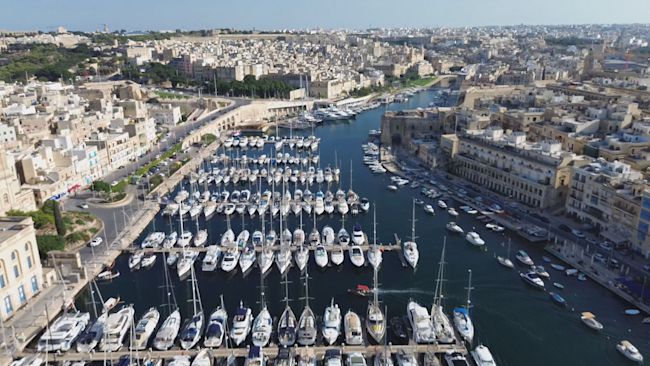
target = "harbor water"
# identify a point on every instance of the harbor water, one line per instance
(520, 325)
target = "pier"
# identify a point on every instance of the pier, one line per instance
(293, 248)
(269, 351)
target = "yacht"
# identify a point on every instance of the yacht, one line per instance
(420, 323)
(170, 240)
(91, 337)
(230, 259)
(482, 356)
(283, 259)
(406, 358)
(629, 351)
(201, 238)
(474, 239)
(355, 359)
(203, 358)
(144, 329)
(214, 332)
(454, 228)
(442, 204)
(523, 257)
(375, 255)
(241, 324)
(320, 256)
(257, 238)
(328, 235)
(287, 326)
(306, 333)
(117, 326)
(247, 258)
(358, 236)
(343, 237)
(336, 255)
(462, 319)
(265, 260)
(452, 211)
(410, 248)
(262, 328)
(589, 320)
(314, 236)
(533, 279)
(185, 263)
(353, 331)
(191, 332)
(211, 258)
(255, 357)
(185, 239)
(332, 357)
(331, 323)
(356, 256)
(454, 358)
(301, 257)
(228, 238)
(168, 331)
(429, 209)
(375, 320)
(179, 361)
(319, 206)
(135, 259)
(442, 327)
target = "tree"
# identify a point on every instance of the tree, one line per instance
(58, 220)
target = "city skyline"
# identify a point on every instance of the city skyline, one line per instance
(291, 14)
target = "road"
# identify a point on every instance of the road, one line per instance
(178, 133)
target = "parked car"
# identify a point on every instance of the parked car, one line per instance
(84, 206)
(578, 233)
(598, 257)
(646, 267)
(606, 246)
(96, 241)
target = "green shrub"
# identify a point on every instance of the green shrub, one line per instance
(79, 222)
(47, 243)
(77, 237)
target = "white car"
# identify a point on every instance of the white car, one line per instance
(83, 206)
(96, 241)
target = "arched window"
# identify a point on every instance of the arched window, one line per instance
(3, 277)
(15, 262)
(28, 253)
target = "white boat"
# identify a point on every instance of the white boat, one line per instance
(216, 329)
(356, 256)
(331, 323)
(482, 356)
(265, 259)
(358, 237)
(185, 264)
(148, 260)
(135, 259)
(452, 211)
(442, 204)
(336, 255)
(328, 235)
(353, 330)
(287, 325)
(241, 324)
(230, 259)
(170, 240)
(589, 320)
(301, 257)
(168, 331)
(441, 324)
(91, 337)
(343, 237)
(375, 320)
(31, 360)
(462, 319)
(201, 238)
(262, 328)
(375, 256)
(407, 358)
(185, 239)
(523, 257)
(629, 351)
(306, 332)
(320, 256)
(117, 326)
(191, 332)
(505, 261)
(247, 258)
(410, 248)
(144, 329)
(420, 323)
(203, 358)
(283, 259)
(533, 279)
(179, 361)
(474, 239)
(211, 258)
(454, 228)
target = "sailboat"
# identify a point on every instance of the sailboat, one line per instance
(375, 256)
(263, 323)
(283, 258)
(301, 255)
(441, 324)
(505, 261)
(216, 329)
(410, 250)
(168, 331)
(462, 320)
(331, 323)
(266, 256)
(375, 320)
(191, 333)
(287, 324)
(306, 335)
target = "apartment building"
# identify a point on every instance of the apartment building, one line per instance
(535, 174)
(610, 196)
(12, 195)
(21, 273)
(115, 149)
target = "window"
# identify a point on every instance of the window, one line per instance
(2, 279)
(34, 284)
(16, 271)
(21, 294)
(29, 262)
(8, 307)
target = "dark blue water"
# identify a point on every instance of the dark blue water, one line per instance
(521, 326)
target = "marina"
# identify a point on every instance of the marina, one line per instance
(502, 321)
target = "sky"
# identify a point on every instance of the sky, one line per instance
(89, 15)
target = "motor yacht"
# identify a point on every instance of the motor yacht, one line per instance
(454, 228)
(89, 339)
(356, 256)
(589, 320)
(262, 328)
(532, 279)
(474, 239)
(241, 324)
(353, 331)
(523, 257)
(144, 329)
(168, 331)
(116, 327)
(420, 323)
(331, 323)
(216, 328)
(482, 356)
(629, 351)
(230, 259)
(328, 235)
(321, 257)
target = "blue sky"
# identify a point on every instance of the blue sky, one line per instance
(278, 14)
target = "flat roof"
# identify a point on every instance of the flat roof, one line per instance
(10, 226)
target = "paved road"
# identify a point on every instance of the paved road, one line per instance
(177, 134)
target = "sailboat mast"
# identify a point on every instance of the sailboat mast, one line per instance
(374, 224)
(413, 222)
(469, 289)
(286, 290)
(375, 290)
